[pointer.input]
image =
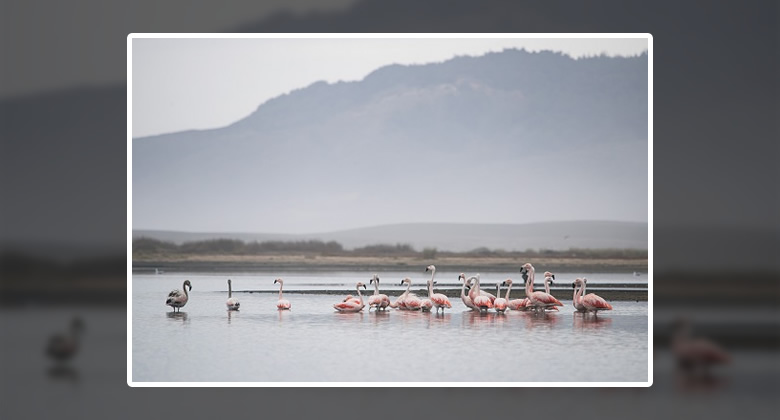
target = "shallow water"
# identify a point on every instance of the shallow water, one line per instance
(312, 342)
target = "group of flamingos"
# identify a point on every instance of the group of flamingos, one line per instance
(476, 298)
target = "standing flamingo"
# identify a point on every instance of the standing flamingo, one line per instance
(351, 305)
(500, 304)
(695, 355)
(473, 292)
(232, 303)
(548, 280)
(577, 299)
(593, 302)
(282, 303)
(515, 304)
(537, 300)
(463, 296)
(438, 300)
(62, 347)
(481, 301)
(177, 299)
(377, 301)
(410, 301)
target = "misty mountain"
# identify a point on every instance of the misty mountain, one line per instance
(506, 136)
(453, 236)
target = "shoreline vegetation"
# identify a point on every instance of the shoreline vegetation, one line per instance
(231, 255)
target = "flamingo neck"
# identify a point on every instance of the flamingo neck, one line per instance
(463, 290)
(508, 288)
(577, 289)
(584, 287)
(430, 288)
(547, 285)
(476, 286)
(529, 285)
(230, 290)
(376, 288)
(360, 295)
(280, 290)
(498, 290)
(184, 287)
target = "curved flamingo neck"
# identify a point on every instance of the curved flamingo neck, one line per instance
(547, 285)
(463, 289)
(577, 289)
(184, 287)
(508, 288)
(281, 286)
(360, 295)
(476, 285)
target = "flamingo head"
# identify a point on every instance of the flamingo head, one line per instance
(188, 284)
(507, 282)
(359, 285)
(407, 281)
(374, 279)
(430, 268)
(576, 282)
(462, 277)
(549, 274)
(278, 281)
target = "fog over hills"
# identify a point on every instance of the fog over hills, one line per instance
(511, 137)
(453, 236)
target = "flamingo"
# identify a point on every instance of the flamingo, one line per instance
(352, 305)
(480, 301)
(515, 304)
(438, 300)
(377, 301)
(408, 301)
(463, 296)
(473, 292)
(695, 355)
(548, 280)
(577, 299)
(500, 304)
(426, 305)
(282, 303)
(177, 299)
(593, 302)
(62, 347)
(537, 300)
(232, 303)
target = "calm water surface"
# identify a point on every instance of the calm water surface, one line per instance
(312, 342)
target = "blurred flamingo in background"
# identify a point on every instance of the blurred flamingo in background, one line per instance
(695, 356)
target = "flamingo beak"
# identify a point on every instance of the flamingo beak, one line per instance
(573, 285)
(553, 276)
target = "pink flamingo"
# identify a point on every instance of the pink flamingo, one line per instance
(410, 302)
(500, 304)
(577, 299)
(515, 304)
(593, 302)
(351, 305)
(463, 296)
(177, 299)
(695, 355)
(439, 300)
(481, 301)
(537, 300)
(377, 301)
(232, 303)
(473, 292)
(281, 303)
(548, 280)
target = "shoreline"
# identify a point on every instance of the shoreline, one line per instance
(260, 263)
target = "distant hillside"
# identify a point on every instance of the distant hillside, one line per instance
(456, 237)
(469, 139)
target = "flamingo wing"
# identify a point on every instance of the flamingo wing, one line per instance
(441, 300)
(594, 301)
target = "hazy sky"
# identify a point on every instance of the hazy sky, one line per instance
(181, 84)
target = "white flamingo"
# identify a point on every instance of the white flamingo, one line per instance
(500, 304)
(351, 305)
(282, 303)
(377, 300)
(177, 299)
(232, 303)
(577, 298)
(473, 292)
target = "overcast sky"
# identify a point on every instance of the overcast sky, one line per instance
(181, 84)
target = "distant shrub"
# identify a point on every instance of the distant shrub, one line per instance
(429, 253)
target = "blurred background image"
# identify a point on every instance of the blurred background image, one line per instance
(64, 231)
